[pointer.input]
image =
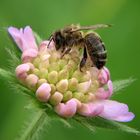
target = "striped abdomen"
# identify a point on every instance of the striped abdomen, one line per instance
(96, 50)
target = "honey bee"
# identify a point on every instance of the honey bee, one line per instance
(73, 35)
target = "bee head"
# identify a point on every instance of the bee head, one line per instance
(58, 39)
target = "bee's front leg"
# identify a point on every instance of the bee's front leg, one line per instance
(66, 51)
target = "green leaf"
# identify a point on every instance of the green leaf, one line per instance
(14, 84)
(65, 122)
(97, 122)
(34, 125)
(20, 89)
(6, 75)
(121, 84)
(40, 118)
(13, 58)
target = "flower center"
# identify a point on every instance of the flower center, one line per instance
(63, 75)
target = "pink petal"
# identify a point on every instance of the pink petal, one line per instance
(43, 46)
(115, 111)
(29, 37)
(104, 75)
(23, 38)
(90, 109)
(67, 109)
(21, 71)
(28, 55)
(43, 92)
(31, 80)
(78, 103)
(107, 72)
(101, 93)
(16, 35)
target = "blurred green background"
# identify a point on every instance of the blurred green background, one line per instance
(122, 42)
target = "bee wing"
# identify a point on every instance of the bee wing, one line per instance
(93, 27)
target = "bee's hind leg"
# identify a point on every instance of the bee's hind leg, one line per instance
(83, 60)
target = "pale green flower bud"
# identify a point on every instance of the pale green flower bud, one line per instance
(62, 86)
(84, 87)
(31, 81)
(67, 96)
(86, 77)
(43, 73)
(62, 63)
(94, 86)
(45, 57)
(36, 72)
(54, 67)
(56, 98)
(79, 95)
(73, 83)
(70, 67)
(36, 62)
(54, 57)
(78, 75)
(44, 64)
(53, 88)
(53, 77)
(63, 74)
(41, 81)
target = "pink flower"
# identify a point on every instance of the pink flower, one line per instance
(59, 81)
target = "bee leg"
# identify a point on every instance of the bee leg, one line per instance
(83, 61)
(66, 51)
(63, 48)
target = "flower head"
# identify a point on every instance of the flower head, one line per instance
(58, 80)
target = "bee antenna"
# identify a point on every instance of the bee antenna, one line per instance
(50, 40)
